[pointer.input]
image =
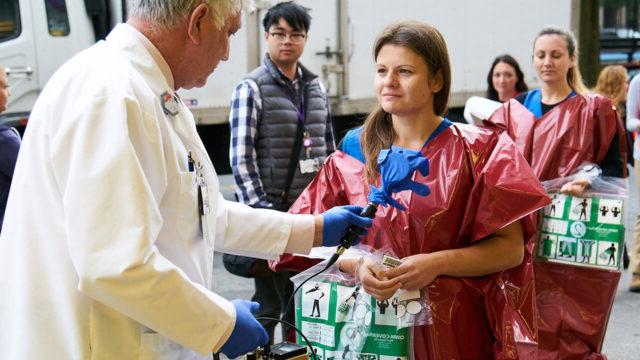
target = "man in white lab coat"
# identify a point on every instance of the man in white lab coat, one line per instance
(107, 246)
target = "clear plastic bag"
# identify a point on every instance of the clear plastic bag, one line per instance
(586, 230)
(410, 308)
(342, 321)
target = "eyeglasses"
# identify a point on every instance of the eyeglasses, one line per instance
(295, 37)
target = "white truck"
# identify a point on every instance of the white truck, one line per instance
(37, 36)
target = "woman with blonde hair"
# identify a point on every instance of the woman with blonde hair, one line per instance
(466, 244)
(557, 128)
(612, 83)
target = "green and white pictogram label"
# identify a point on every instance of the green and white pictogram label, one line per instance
(340, 320)
(586, 231)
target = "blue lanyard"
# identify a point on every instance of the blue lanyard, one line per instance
(299, 90)
(352, 146)
(300, 111)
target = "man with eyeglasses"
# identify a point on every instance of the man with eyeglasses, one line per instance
(280, 135)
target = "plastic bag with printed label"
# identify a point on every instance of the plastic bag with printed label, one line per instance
(342, 321)
(586, 230)
(577, 267)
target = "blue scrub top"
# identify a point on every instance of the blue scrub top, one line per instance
(352, 147)
(533, 102)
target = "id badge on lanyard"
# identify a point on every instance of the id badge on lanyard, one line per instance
(204, 206)
(203, 197)
(308, 165)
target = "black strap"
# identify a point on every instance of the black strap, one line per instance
(295, 155)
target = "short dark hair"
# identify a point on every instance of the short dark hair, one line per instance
(521, 86)
(297, 16)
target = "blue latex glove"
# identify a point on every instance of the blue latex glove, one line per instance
(396, 166)
(247, 333)
(337, 220)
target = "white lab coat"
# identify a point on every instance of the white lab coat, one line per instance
(103, 254)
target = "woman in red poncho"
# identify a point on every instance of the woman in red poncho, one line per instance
(469, 242)
(556, 128)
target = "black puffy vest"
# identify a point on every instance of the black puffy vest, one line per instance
(277, 125)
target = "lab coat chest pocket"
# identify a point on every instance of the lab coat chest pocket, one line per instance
(188, 216)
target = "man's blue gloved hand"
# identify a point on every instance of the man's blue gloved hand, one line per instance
(337, 220)
(247, 333)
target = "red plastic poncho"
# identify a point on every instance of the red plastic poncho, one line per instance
(479, 183)
(574, 303)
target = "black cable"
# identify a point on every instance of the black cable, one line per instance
(294, 328)
(347, 240)
(286, 311)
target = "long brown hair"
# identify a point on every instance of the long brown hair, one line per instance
(427, 42)
(574, 78)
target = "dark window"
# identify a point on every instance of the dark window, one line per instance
(57, 18)
(9, 20)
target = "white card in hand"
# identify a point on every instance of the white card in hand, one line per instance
(404, 295)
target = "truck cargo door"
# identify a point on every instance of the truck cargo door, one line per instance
(17, 55)
(99, 12)
(61, 30)
(105, 15)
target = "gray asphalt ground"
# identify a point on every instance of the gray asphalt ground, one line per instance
(622, 341)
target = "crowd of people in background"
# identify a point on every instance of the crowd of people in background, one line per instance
(459, 244)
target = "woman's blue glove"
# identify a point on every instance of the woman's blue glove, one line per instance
(337, 220)
(397, 166)
(247, 333)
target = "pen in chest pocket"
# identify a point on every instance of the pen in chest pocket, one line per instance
(189, 161)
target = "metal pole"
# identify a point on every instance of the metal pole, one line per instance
(344, 40)
(253, 40)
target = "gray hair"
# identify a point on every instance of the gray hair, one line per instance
(167, 13)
